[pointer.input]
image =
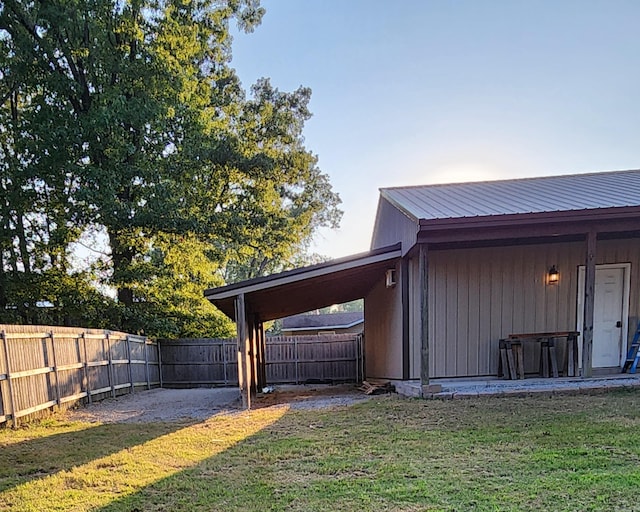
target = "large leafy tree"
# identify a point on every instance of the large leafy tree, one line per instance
(125, 117)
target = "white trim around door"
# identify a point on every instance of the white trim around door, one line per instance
(624, 327)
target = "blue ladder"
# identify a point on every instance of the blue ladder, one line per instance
(633, 356)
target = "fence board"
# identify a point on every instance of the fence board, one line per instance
(42, 367)
(289, 359)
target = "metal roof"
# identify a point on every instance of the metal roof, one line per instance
(574, 192)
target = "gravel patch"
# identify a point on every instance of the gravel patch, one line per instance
(198, 404)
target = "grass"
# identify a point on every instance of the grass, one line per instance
(494, 454)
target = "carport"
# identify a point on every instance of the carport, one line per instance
(253, 302)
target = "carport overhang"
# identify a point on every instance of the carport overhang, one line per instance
(307, 288)
(250, 303)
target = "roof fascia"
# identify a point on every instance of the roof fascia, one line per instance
(521, 219)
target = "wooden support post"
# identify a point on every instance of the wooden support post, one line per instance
(12, 400)
(243, 341)
(253, 355)
(423, 283)
(589, 302)
(262, 361)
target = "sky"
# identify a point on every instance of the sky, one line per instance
(412, 92)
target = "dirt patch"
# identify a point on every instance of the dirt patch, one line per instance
(203, 403)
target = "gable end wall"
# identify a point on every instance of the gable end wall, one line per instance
(393, 226)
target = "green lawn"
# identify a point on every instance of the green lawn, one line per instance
(574, 453)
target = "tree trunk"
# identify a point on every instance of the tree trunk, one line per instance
(122, 258)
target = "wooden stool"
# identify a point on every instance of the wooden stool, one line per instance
(548, 354)
(511, 363)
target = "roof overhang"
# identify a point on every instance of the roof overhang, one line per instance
(306, 288)
(530, 226)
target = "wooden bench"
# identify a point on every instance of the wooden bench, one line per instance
(511, 363)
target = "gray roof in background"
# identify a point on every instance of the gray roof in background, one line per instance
(311, 321)
(530, 195)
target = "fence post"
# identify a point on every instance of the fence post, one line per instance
(223, 345)
(146, 364)
(297, 358)
(12, 403)
(87, 386)
(159, 362)
(110, 367)
(55, 367)
(130, 364)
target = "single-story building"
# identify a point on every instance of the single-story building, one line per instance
(455, 268)
(311, 324)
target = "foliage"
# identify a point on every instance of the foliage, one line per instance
(127, 116)
(488, 454)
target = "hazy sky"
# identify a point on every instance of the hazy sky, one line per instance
(410, 92)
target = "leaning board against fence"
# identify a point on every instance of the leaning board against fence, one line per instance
(289, 359)
(43, 367)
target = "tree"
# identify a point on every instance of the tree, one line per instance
(125, 116)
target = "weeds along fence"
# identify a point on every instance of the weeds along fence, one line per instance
(289, 359)
(45, 367)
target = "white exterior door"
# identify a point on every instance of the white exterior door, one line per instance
(611, 300)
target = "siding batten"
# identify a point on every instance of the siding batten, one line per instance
(406, 348)
(424, 316)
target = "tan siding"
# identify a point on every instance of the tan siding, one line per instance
(383, 330)
(481, 295)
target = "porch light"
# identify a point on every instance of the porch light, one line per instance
(553, 276)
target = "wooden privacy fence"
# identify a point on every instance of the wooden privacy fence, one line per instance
(289, 359)
(43, 367)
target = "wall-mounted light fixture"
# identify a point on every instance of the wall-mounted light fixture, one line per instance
(390, 278)
(553, 276)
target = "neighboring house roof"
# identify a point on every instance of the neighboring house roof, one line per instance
(549, 194)
(304, 322)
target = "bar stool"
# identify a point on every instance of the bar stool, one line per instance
(511, 363)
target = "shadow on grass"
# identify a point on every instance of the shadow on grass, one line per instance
(235, 478)
(522, 454)
(39, 457)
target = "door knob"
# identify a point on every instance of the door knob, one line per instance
(618, 324)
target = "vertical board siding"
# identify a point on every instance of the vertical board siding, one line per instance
(392, 226)
(52, 366)
(383, 351)
(481, 295)
(288, 359)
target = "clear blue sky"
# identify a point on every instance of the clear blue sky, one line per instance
(413, 92)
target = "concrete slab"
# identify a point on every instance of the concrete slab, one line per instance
(472, 388)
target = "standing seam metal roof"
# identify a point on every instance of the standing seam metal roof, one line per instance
(528, 195)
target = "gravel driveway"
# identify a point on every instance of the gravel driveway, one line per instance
(201, 403)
